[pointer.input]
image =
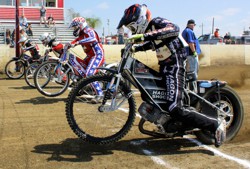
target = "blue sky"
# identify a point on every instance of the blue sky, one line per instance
(229, 15)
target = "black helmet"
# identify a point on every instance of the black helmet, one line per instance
(136, 18)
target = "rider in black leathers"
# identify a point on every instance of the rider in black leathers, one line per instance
(161, 35)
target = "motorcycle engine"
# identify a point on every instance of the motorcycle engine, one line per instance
(151, 113)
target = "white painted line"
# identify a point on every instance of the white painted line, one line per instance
(155, 159)
(160, 161)
(244, 163)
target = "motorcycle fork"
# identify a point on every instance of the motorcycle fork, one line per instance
(60, 74)
(112, 92)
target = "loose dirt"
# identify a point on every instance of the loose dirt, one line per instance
(34, 134)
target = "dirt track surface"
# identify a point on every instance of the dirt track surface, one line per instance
(34, 134)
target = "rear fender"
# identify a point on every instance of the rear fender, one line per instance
(210, 84)
(110, 68)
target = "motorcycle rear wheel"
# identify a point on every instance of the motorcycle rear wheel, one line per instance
(46, 79)
(231, 103)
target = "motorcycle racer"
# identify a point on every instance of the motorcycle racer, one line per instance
(49, 40)
(27, 45)
(88, 38)
(161, 35)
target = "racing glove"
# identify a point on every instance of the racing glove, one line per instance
(136, 38)
(195, 54)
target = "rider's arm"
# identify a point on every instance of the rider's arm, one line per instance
(90, 39)
(57, 47)
(76, 40)
(143, 47)
(189, 38)
(163, 29)
(28, 48)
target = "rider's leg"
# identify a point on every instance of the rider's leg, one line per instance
(175, 83)
(95, 62)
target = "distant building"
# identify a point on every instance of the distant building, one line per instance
(31, 10)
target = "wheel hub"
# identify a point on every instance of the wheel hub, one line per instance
(228, 109)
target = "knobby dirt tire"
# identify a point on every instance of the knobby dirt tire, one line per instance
(21, 68)
(238, 115)
(40, 87)
(30, 69)
(91, 138)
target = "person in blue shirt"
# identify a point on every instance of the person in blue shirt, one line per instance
(23, 21)
(193, 51)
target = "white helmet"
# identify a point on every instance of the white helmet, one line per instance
(23, 40)
(45, 38)
(79, 23)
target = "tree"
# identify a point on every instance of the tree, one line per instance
(93, 22)
(71, 14)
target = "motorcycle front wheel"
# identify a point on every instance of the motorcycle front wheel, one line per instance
(29, 74)
(15, 69)
(97, 123)
(51, 81)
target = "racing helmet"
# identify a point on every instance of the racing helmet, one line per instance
(136, 18)
(78, 24)
(23, 40)
(46, 38)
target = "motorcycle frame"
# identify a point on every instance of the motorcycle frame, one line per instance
(125, 70)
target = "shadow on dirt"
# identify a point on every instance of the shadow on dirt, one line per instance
(22, 87)
(42, 100)
(75, 150)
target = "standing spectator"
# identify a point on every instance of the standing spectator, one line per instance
(7, 36)
(51, 21)
(216, 33)
(193, 50)
(29, 30)
(23, 21)
(227, 38)
(121, 35)
(43, 15)
(13, 38)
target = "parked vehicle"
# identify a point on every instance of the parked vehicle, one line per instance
(113, 117)
(244, 39)
(210, 39)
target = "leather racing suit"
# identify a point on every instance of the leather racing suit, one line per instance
(56, 47)
(91, 44)
(162, 36)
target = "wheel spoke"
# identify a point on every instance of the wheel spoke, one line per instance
(93, 125)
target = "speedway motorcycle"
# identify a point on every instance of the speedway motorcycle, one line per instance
(52, 78)
(113, 117)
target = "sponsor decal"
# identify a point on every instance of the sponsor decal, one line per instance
(140, 68)
(159, 94)
(170, 88)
